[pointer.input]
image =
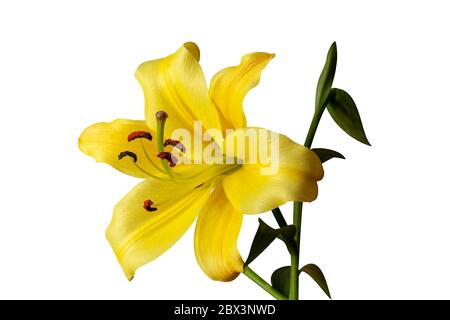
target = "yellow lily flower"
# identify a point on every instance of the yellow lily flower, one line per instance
(158, 211)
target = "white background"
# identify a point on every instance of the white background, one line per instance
(379, 228)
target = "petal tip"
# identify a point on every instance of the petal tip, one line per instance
(193, 49)
(82, 140)
(258, 58)
(228, 278)
(109, 236)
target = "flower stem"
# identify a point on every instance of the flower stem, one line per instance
(295, 256)
(263, 284)
(314, 124)
(298, 208)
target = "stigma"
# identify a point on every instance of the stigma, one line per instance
(161, 115)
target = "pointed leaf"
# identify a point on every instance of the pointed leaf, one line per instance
(326, 77)
(281, 280)
(326, 154)
(317, 275)
(344, 112)
(264, 237)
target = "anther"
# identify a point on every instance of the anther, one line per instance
(161, 115)
(168, 156)
(175, 143)
(148, 205)
(140, 135)
(128, 154)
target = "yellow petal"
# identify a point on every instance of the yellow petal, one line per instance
(176, 84)
(216, 237)
(138, 236)
(283, 171)
(105, 140)
(230, 85)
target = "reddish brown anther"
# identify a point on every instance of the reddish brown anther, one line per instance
(168, 156)
(140, 135)
(148, 205)
(130, 154)
(175, 143)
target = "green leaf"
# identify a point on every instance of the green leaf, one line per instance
(326, 77)
(344, 112)
(265, 236)
(327, 154)
(317, 275)
(281, 280)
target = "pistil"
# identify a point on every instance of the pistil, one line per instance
(161, 117)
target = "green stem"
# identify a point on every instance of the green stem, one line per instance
(279, 217)
(313, 127)
(263, 284)
(295, 256)
(298, 207)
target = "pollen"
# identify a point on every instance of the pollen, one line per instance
(130, 154)
(148, 205)
(175, 143)
(140, 135)
(168, 156)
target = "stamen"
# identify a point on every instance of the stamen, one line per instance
(175, 143)
(148, 205)
(169, 157)
(128, 154)
(225, 170)
(145, 172)
(149, 159)
(133, 156)
(140, 135)
(161, 117)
